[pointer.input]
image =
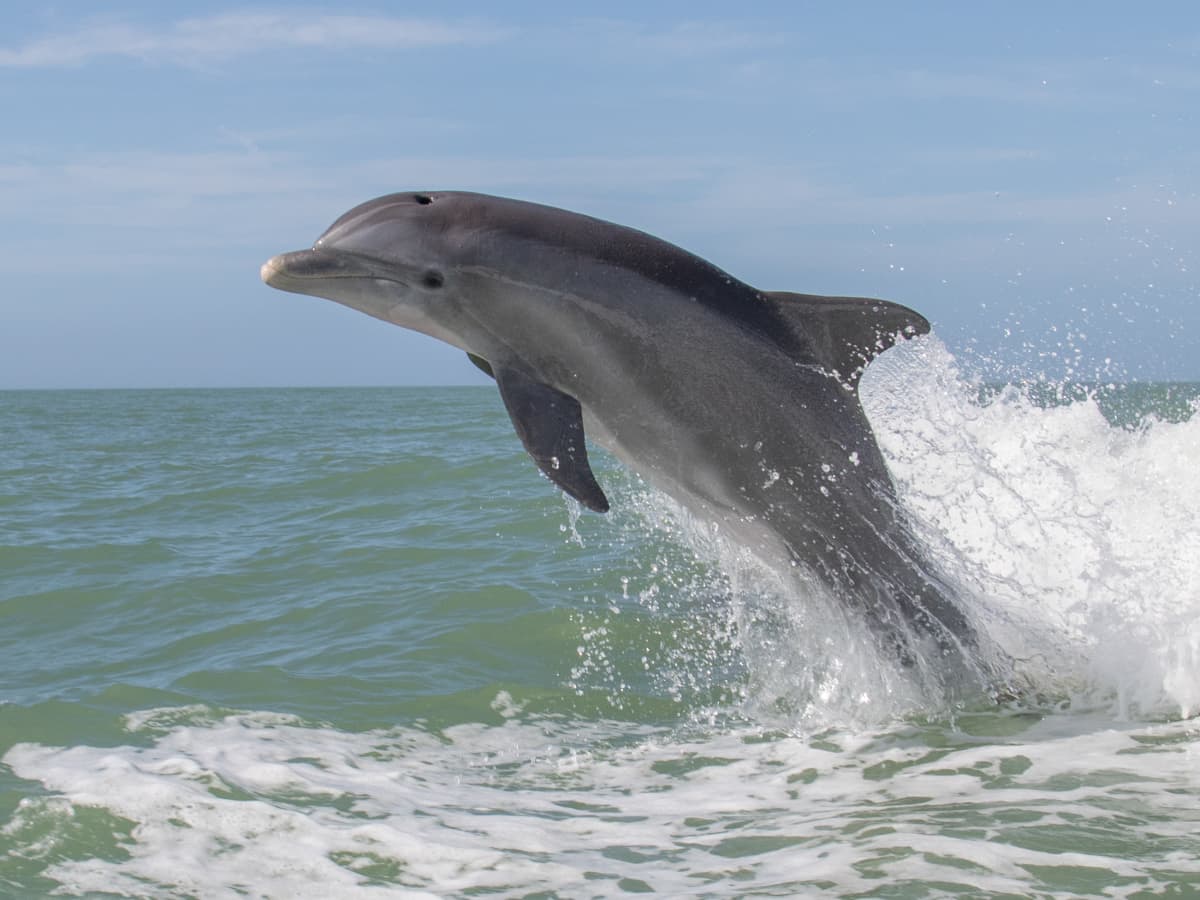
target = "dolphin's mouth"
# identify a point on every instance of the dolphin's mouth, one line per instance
(302, 270)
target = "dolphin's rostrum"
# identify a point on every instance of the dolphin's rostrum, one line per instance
(740, 403)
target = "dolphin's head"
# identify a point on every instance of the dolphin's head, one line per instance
(393, 258)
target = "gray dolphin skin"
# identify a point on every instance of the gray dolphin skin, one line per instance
(741, 404)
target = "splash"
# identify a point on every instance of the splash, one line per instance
(1071, 541)
(729, 638)
(1075, 538)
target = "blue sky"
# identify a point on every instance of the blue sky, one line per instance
(1024, 174)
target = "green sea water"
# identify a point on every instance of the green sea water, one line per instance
(348, 642)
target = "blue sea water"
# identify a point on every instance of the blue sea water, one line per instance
(349, 643)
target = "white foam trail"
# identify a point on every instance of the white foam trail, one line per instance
(263, 805)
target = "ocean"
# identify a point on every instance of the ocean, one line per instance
(314, 643)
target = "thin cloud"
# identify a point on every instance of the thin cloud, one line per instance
(154, 188)
(219, 37)
(706, 38)
(224, 191)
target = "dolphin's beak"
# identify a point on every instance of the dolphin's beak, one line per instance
(294, 271)
(272, 269)
(302, 270)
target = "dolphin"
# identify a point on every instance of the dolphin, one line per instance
(740, 403)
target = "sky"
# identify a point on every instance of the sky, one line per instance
(1027, 175)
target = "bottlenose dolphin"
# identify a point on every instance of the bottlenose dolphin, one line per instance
(740, 403)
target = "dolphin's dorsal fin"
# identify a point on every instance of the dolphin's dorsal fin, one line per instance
(550, 425)
(846, 333)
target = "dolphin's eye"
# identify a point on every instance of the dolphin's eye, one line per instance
(432, 279)
(423, 199)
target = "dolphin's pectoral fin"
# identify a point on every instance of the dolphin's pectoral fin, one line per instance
(482, 365)
(550, 425)
(846, 333)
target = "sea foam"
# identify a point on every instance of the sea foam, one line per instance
(1077, 539)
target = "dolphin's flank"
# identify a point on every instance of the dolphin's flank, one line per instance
(740, 403)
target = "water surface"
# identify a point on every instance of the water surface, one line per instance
(315, 643)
